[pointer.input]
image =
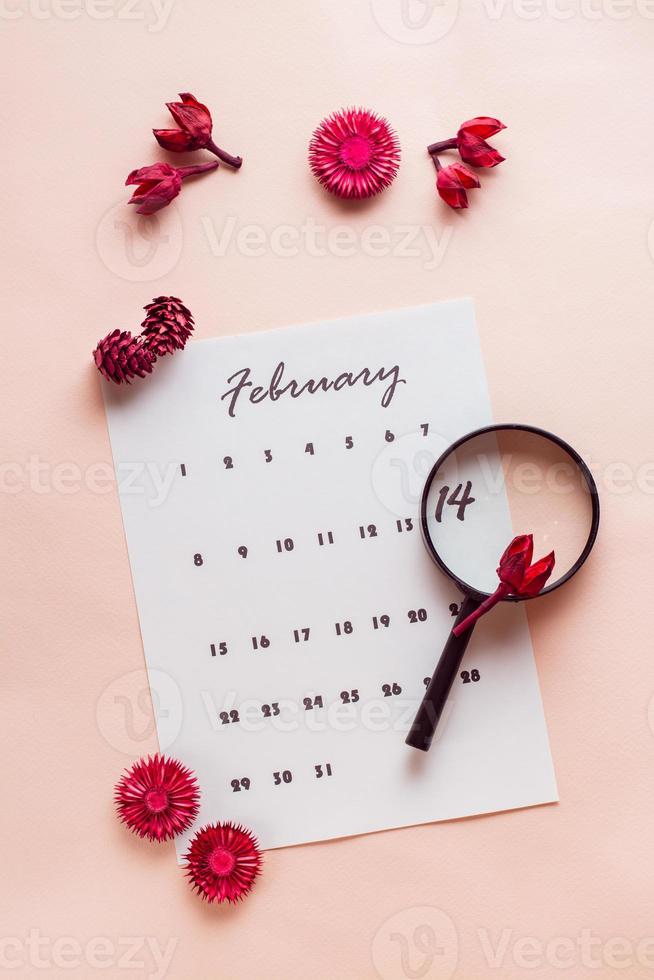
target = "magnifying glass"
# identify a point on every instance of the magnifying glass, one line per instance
(488, 487)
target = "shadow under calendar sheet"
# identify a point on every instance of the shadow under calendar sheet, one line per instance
(270, 487)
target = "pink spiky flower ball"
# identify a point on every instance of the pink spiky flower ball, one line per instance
(354, 153)
(157, 798)
(222, 862)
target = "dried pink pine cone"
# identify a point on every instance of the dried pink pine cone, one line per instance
(167, 326)
(119, 357)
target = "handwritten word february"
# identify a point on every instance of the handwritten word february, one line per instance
(279, 385)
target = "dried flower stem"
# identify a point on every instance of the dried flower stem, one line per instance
(234, 162)
(500, 593)
(198, 168)
(442, 145)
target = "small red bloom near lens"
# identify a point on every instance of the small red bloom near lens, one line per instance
(354, 153)
(157, 798)
(195, 130)
(160, 183)
(452, 182)
(222, 862)
(518, 577)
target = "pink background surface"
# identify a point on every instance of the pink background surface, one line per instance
(554, 251)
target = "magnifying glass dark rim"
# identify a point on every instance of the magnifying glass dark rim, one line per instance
(581, 465)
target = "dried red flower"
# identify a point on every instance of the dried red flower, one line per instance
(119, 357)
(160, 183)
(472, 146)
(222, 862)
(452, 182)
(195, 130)
(518, 577)
(157, 798)
(354, 153)
(167, 325)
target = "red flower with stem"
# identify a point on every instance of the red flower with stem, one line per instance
(195, 130)
(160, 183)
(157, 798)
(518, 577)
(354, 153)
(222, 862)
(471, 143)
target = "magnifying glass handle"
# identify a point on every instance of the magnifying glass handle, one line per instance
(433, 702)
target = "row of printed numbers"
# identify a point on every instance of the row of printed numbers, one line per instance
(230, 462)
(311, 702)
(344, 627)
(281, 777)
(459, 497)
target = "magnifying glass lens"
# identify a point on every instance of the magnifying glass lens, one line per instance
(500, 484)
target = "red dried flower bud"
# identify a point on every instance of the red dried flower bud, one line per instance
(195, 132)
(157, 186)
(160, 183)
(194, 120)
(451, 183)
(517, 575)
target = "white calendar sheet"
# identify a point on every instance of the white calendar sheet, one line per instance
(290, 614)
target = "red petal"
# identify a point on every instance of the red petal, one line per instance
(523, 544)
(536, 576)
(157, 171)
(467, 178)
(515, 560)
(477, 151)
(175, 140)
(483, 126)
